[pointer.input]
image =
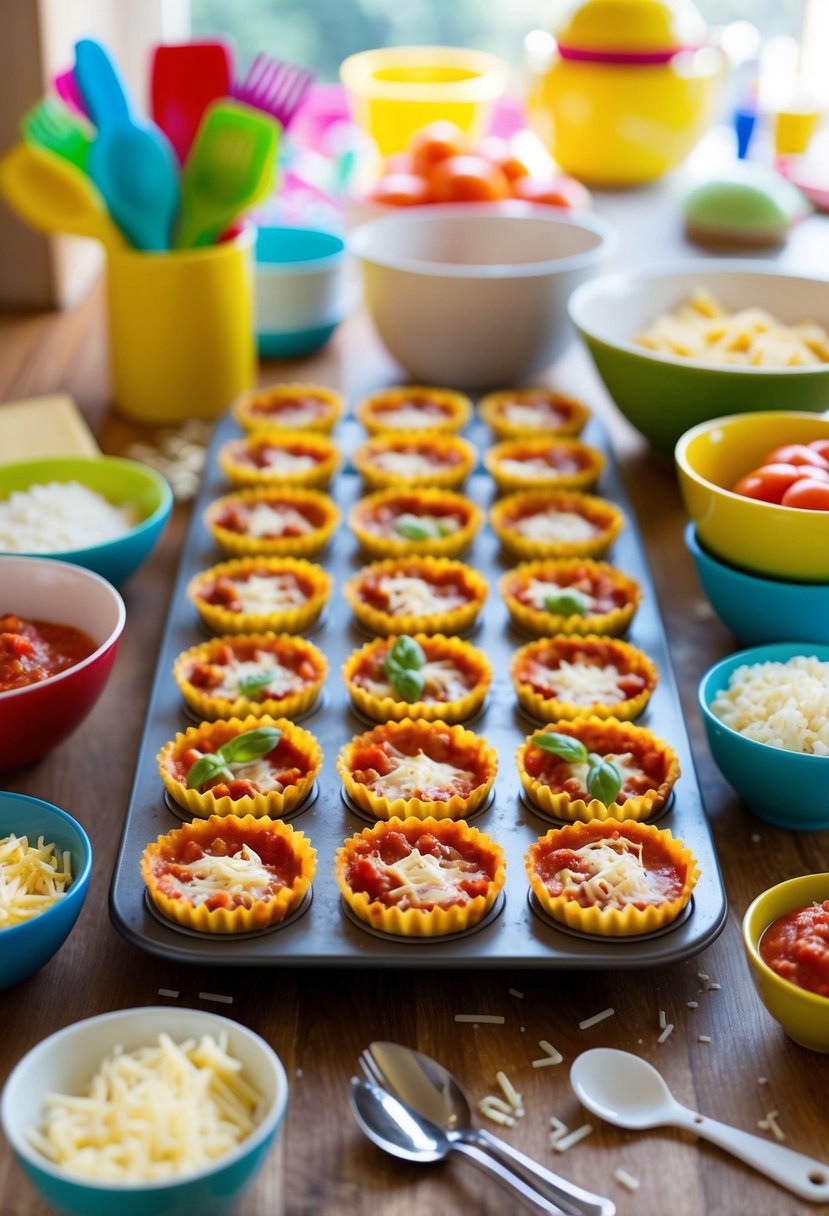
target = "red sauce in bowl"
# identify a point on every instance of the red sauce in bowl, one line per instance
(31, 651)
(797, 947)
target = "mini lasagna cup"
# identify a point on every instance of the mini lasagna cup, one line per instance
(289, 407)
(534, 524)
(272, 785)
(428, 458)
(450, 685)
(612, 879)
(578, 677)
(570, 595)
(276, 522)
(414, 407)
(280, 458)
(417, 768)
(229, 874)
(396, 523)
(551, 463)
(649, 769)
(420, 878)
(522, 413)
(256, 594)
(264, 674)
(416, 595)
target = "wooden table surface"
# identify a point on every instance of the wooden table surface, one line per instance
(319, 1021)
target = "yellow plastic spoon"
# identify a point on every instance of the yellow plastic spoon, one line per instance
(52, 195)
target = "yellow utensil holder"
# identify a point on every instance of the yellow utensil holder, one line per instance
(181, 330)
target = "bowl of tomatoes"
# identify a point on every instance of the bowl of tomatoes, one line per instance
(756, 487)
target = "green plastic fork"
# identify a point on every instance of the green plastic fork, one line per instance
(54, 127)
(230, 167)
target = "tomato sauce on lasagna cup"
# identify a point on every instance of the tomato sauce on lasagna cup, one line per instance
(396, 523)
(521, 413)
(570, 595)
(270, 674)
(273, 522)
(578, 677)
(534, 524)
(284, 458)
(291, 407)
(428, 458)
(252, 594)
(551, 463)
(414, 407)
(426, 676)
(416, 595)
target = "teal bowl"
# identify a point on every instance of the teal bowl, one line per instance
(27, 947)
(122, 482)
(664, 395)
(788, 789)
(65, 1063)
(759, 610)
(301, 288)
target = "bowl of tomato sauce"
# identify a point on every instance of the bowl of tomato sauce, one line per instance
(60, 626)
(786, 939)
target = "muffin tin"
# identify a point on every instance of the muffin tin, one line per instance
(321, 933)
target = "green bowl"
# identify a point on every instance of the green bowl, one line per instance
(120, 481)
(664, 395)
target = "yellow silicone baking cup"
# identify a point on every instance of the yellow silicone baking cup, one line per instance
(455, 620)
(262, 913)
(207, 737)
(251, 410)
(210, 707)
(612, 922)
(605, 517)
(377, 421)
(536, 621)
(321, 447)
(381, 807)
(591, 463)
(430, 500)
(627, 737)
(437, 443)
(422, 922)
(574, 413)
(436, 647)
(287, 620)
(240, 544)
(626, 658)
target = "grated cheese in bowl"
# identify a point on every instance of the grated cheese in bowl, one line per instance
(32, 878)
(59, 516)
(781, 704)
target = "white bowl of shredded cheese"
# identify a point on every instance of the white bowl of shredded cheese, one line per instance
(204, 1098)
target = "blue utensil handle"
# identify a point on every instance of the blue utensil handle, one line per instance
(101, 87)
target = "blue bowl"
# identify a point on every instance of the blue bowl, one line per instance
(759, 610)
(25, 948)
(788, 789)
(65, 1063)
(301, 288)
(122, 482)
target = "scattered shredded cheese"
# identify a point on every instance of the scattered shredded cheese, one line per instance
(515, 992)
(704, 1038)
(596, 1018)
(663, 1021)
(413, 774)
(562, 1145)
(774, 1126)
(693, 1004)
(510, 1092)
(626, 1180)
(32, 878)
(216, 996)
(551, 1056)
(491, 1019)
(171, 992)
(409, 595)
(666, 1033)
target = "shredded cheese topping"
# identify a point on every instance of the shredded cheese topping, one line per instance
(615, 875)
(552, 525)
(420, 772)
(267, 520)
(260, 773)
(243, 876)
(281, 683)
(288, 462)
(407, 418)
(153, 1113)
(579, 683)
(409, 595)
(423, 878)
(519, 414)
(268, 592)
(538, 590)
(405, 464)
(442, 681)
(533, 466)
(32, 878)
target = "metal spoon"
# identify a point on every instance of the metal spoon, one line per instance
(399, 1130)
(628, 1091)
(432, 1091)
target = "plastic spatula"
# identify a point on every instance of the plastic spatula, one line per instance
(230, 167)
(53, 125)
(184, 80)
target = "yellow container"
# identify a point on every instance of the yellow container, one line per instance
(394, 91)
(793, 130)
(181, 330)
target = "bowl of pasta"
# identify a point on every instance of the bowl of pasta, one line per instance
(219, 1088)
(676, 346)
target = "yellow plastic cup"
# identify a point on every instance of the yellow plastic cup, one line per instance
(181, 330)
(793, 130)
(394, 91)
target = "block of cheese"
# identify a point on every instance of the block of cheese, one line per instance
(44, 426)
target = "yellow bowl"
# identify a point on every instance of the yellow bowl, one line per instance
(803, 1015)
(784, 543)
(394, 91)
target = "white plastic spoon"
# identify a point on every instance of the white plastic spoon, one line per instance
(628, 1091)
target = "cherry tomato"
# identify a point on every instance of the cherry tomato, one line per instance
(401, 190)
(399, 162)
(821, 446)
(554, 192)
(797, 453)
(436, 142)
(465, 179)
(768, 483)
(808, 493)
(499, 152)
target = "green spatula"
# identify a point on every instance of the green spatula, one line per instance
(229, 168)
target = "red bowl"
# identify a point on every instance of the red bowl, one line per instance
(34, 719)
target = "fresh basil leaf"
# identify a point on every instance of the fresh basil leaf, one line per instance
(446, 526)
(250, 745)
(603, 780)
(570, 602)
(414, 528)
(406, 682)
(255, 683)
(206, 768)
(569, 749)
(406, 652)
